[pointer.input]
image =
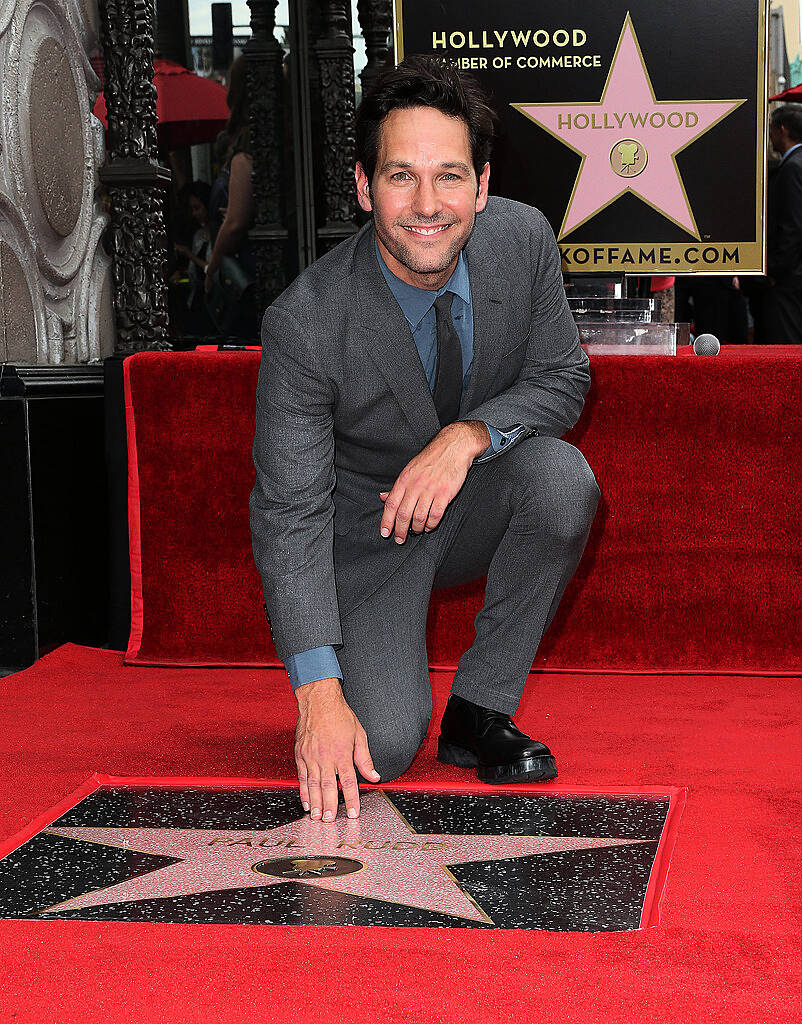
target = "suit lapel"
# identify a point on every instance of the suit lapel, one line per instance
(489, 293)
(389, 342)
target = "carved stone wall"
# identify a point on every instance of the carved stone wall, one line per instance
(56, 291)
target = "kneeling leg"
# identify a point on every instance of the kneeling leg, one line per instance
(385, 666)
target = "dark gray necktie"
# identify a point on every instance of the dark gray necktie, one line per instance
(447, 390)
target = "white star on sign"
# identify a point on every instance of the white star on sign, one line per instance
(395, 863)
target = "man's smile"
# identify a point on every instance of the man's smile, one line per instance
(419, 229)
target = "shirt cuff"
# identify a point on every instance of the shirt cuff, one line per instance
(500, 439)
(308, 666)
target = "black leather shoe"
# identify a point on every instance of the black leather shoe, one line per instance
(475, 737)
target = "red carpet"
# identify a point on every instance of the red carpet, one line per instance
(693, 563)
(726, 950)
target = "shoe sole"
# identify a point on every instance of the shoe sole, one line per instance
(527, 769)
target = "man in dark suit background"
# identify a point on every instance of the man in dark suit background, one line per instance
(413, 389)
(782, 308)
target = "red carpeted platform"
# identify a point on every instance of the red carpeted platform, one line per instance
(726, 950)
(693, 563)
(693, 567)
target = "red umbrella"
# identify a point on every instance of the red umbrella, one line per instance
(190, 109)
(792, 95)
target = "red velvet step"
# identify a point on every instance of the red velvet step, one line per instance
(693, 563)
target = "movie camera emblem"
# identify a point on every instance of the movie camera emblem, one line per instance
(628, 158)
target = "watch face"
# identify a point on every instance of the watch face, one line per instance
(572, 861)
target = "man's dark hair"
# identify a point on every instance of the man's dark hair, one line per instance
(424, 82)
(789, 116)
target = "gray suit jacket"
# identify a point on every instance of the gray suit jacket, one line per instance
(343, 405)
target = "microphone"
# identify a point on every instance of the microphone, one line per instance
(706, 345)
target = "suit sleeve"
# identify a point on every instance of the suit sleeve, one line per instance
(548, 396)
(291, 507)
(785, 251)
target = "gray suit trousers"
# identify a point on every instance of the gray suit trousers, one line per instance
(523, 520)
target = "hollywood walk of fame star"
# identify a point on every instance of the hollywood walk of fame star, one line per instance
(629, 140)
(378, 856)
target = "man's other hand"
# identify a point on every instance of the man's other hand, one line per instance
(427, 484)
(329, 741)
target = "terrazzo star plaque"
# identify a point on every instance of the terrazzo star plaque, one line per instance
(570, 861)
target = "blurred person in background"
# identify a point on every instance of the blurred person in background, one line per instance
(231, 271)
(782, 302)
(195, 196)
(218, 199)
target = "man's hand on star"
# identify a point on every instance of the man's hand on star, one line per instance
(329, 741)
(427, 484)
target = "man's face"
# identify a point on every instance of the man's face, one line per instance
(424, 194)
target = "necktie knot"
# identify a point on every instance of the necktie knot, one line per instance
(442, 304)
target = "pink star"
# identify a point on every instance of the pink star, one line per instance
(628, 141)
(385, 859)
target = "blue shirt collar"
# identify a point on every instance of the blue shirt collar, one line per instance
(415, 302)
(788, 152)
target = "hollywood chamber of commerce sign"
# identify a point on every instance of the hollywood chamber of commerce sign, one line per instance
(638, 129)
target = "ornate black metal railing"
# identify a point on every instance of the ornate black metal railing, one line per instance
(335, 56)
(376, 22)
(268, 234)
(132, 176)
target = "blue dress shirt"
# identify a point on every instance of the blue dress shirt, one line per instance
(417, 305)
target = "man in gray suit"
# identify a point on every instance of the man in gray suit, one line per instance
(414, 386)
